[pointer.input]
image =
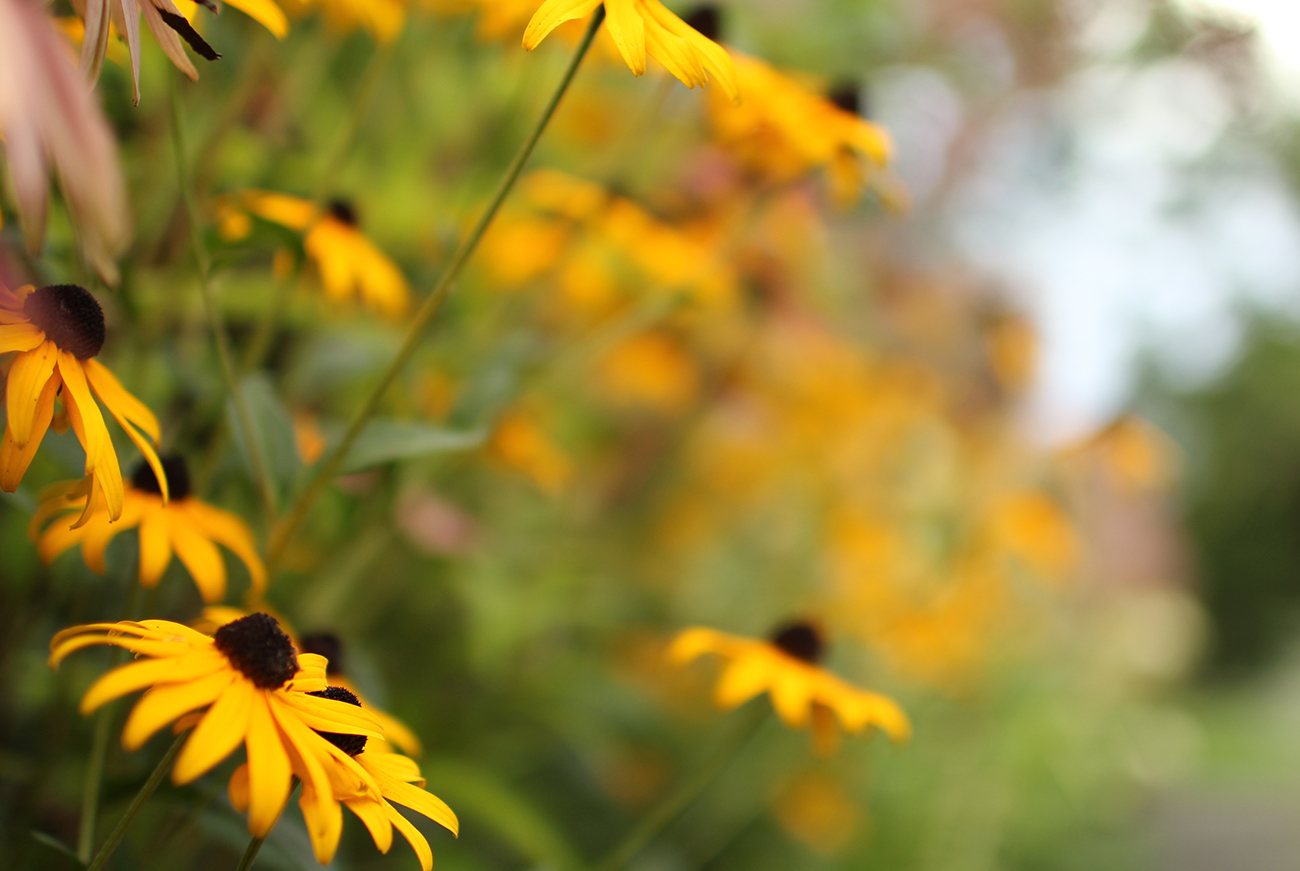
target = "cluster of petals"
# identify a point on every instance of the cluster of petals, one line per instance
(645, 27)
(44, 370)
(276, 710)
(796, 687)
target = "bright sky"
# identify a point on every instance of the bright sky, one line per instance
(1278, 23)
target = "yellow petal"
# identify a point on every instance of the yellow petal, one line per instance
(146, 673)
(265, 13)
(237, 789)
(416, 799)
(627, 29)
(229, 530)
(412, 835)
(269, 774)
(221, 730)
(741, 680)
(166, 702)
(27, 378)
(201, 557)
(155, 547)
(551, 15)
(119, 400)
(14, 460)
(371, 812)
(22, 336)
(792, 694)
(88, 423)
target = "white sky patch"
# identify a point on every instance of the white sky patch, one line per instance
(1278, 24)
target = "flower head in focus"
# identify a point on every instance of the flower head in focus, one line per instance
(57, 331)
(48, 120)
(365, 780)
(349, 263)
(786, 667)
(170, 27)
(641, 27)
(249, 687)
(330, 646)
(183, 524)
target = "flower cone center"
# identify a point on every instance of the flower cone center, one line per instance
(705, 20)
(178, 477)
(70, 318)
(847, 96)
(343, 211)
(349, 744)
(800, 640)
(258, 647)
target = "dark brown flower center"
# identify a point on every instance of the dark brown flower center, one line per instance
(258, 647)
(800, 640)
(325, 644)
(70, 318)
(706, 20)
(178, 477)
(848, 96)
(349, 744)
(343, 211)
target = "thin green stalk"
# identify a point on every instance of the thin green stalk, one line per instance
(250, 853)
(242, 414)
(90, 788)
(678, 801)
(119, 831)
(330, 466)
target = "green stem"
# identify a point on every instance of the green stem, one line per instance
(119, 831)
(330, 466)
(250, 853)
(242, 414)
(678, 801)
(90, 788)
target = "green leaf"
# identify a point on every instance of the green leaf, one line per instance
(272, 433)
(478, 794)
(384, 441)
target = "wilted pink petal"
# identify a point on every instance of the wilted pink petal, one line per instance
(48, 119)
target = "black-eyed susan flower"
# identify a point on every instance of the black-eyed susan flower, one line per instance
(183, 525)
(56, 333)
(350, 265)
(786, 667)
(330, 646)
(245, 684)
(785, 129)
(363, 779)
(641, 27)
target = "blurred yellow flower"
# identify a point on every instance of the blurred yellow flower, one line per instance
(649, 370)
(520, 443)
(1032, 528)
(349, 263)
(815, 809)
(383, 18)
(641, 27)
(57, 331)
(786, 130)
(255, 689)
(786, 668)
(184, 525)
(308, 439)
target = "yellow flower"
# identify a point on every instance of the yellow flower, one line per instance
(255, 689)
(184, 525)
(787, 130)
(57, 331)
(650, 370)
(365, 780)
(383, 18)
(786, 668)
(349, 263)
(641, 27)
(520, 443)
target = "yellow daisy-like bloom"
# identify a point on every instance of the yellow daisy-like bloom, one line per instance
(184, 525)
(256, 691)
(366, 781)
(57, 331)
(641, 27)
(786, 667)
(349, 263)
(787, 130)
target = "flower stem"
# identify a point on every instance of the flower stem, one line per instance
(119, 831)
(676, 802)
(242, 413)
(330, 465)
(250, 853)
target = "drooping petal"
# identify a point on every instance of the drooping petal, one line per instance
(14, 460)
(412, 835)
(171, 43)
(371, 813)
(202, 559)
(237, 789)
(229, 530)
(88, 423)
(27, 378)
(155, 547)
(146, 673)
(119, 400)
(741, 680)
(221, 730)
(792, 694)
(627, 29)
(419, 801)
(551, 15)
(166, 702)
(21, 336)
(322, 813)
(269, 773)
